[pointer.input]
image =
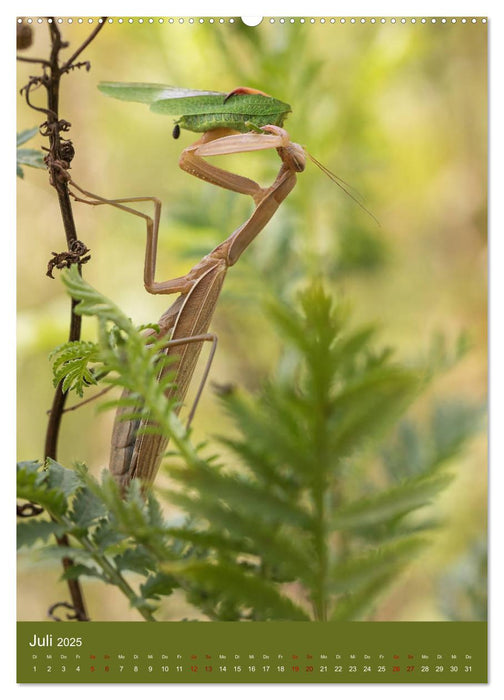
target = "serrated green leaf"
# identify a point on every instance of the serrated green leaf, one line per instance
(286, 551)
(206, 539)
(141, 603)
(130, 515)
(452, 423)
(137, 559)
(26, 135)
(91, 302)
(218, 515)
(242, 495)
(365, 408)
(29, 467)
(155, 512)
(359, 570)
(61, 478)
(78, 570)
(390, 503)
(157, 585)
(28, 532)
(263, 463)
(57, 552)
(31, 157)
(86, 508)
(32, 485)
(71, 365)
(405, 455)
(354, 606)
(106, 535)
(233, 583)
(415, 452)
(276, 425)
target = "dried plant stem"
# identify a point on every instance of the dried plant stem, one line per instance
(60, 152)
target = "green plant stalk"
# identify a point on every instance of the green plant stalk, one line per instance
(320, 536)
(320, 528)
(114, 576)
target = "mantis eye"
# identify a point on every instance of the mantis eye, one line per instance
(176, 131)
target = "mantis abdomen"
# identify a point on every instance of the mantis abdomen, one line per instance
(139, 456)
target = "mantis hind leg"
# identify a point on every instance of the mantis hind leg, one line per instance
(198, 339)
(171, 343)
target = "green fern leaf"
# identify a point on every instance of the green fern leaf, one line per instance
(232, 582)
(364, 409)
(452, 423)
(277, 426)
(71, 365)
(208, 539)
(357, 571)
(389, 504)
(356, 605)
(286, 553)
(91, 302)
(243, 495)
(284, 556)
(263, 464)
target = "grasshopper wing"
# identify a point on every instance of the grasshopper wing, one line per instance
(152, 92)
(246, 106)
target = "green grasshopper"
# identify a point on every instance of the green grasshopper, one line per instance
(243, 109)
(242, 120)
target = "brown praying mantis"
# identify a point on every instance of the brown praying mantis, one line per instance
(185, 325)
(187, 320)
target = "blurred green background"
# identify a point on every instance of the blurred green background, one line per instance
(398, 111)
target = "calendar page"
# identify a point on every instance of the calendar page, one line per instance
(252, 349)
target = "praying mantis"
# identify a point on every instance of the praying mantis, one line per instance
(186, 323)
(243, 120)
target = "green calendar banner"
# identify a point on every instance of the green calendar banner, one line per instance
(252, 349)
(183, 652)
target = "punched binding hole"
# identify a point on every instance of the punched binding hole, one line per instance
(251, 21)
